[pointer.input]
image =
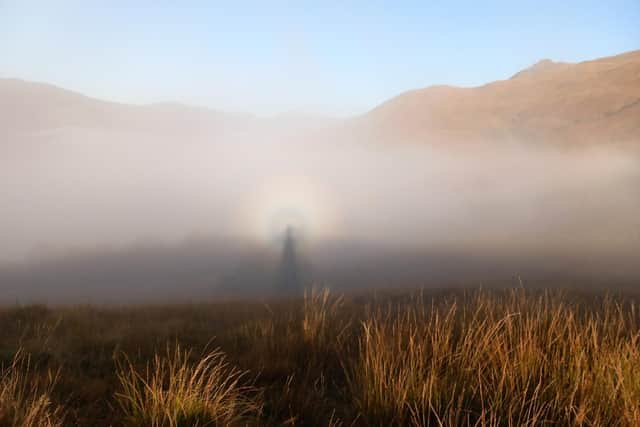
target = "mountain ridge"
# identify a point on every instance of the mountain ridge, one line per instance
(556, 102)
(594, 101)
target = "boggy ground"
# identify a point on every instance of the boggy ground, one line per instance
(477, 357)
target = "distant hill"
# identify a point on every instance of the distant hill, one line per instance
(589, 102)
(592, 102)
(28, 107)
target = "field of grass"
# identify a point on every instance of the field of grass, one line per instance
(478, 357)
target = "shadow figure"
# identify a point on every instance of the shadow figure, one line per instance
(289, 281)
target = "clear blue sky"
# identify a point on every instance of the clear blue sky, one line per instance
(332, 57)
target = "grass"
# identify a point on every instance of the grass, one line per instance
(320, 313)
(478, 358)
(25, 397)
(174, 392)
(510, 360)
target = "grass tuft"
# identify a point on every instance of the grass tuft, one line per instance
(321, 310)
(25, 395)
(172, 391)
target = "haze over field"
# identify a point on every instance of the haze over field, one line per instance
(160, 151)
(360, 213)
(538, 173)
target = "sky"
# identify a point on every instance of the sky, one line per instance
(333, 58)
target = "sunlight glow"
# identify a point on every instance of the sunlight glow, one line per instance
(290, 201)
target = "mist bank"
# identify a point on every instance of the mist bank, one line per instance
(207, 268)
(536, 175)
(94, 191)
(90, 215)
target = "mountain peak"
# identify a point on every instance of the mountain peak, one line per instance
(593, 101)
(541, 66)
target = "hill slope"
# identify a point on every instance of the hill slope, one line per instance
(28, 107)
(589, 102)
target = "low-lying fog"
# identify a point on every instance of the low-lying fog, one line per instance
(92, 215)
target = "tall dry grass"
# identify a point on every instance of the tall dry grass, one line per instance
(490, 359)
(450, 358)
(322, 325)
(173, 391)
(25, 396)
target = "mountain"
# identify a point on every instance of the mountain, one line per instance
(591, 102)
(594, 101)
(28, 107)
